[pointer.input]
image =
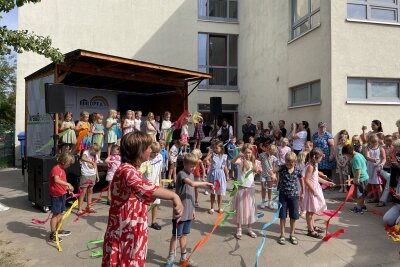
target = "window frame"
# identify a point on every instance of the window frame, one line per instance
(369, 97)
(205, 84)
(309, 101)
(305, 19)
(373, 4)
(226, 19)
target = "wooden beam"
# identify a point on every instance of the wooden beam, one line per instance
(143, 64)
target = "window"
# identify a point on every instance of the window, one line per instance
(217, 55)
(225, 10)
(374, 10)
(306, 94)
(305, 16)
(378, 90)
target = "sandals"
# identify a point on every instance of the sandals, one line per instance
(315, 234)
(211, 211)
(252, 234)
(293, 240)
(318, 230)
(80, 213)
(282, 240)
(90, 210)
(238, 236)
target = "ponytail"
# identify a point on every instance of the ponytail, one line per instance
(306, 127)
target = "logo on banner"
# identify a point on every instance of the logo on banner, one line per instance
(95, 102)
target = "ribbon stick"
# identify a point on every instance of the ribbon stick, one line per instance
(36, 221)
(204, 240)
(342, 230)
(264, 237)
(95, 253)
(64, 217)
(328, 213)
(89, 205)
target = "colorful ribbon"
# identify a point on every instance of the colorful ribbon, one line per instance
(87, 210)
(263, 235)
(329, 213)
(342, 230)
(95, 253)
(64, 217)
(36, 221)
(204, 240)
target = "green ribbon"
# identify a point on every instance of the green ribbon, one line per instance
(170, 135)
(236, 185)
(95, 253)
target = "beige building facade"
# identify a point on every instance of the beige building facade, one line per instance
(314, 60)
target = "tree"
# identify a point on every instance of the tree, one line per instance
(23, 40)
(7, 89)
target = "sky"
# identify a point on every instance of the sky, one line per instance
(10, 19)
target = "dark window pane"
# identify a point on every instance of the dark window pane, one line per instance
(217, 50)
(300, 96)
(384, 89)
(233, 50)
(233, 77)
(233, 10)
(315, 92)
(301, 29)
(356, 11)
(300, 9)
(202, 52)
(356, 89)
(218, 8)
(383, 14)
(219, 76)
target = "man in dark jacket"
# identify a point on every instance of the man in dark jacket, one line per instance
(248, 129)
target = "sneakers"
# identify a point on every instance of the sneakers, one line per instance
(271, 205)
(155, 226)
(357, 210)
(190, 263)
(205, 192)
(52, 238)
(262, 205)
(64, 233)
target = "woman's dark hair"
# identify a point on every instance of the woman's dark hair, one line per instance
(379, 124)
(348, 149)
(133, 145)
(306, 127)
(344, 132)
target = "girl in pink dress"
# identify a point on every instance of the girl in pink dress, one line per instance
(113, 161)
(314, 201)
(125, 240)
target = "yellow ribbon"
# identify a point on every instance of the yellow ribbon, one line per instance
(65, 216)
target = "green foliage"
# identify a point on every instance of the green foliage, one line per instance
(22, 40)
(7, 89)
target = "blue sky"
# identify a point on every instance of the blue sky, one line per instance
(10, 19)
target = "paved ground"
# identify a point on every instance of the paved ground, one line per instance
(24, 244)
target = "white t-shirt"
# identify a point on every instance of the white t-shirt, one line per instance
(298, 144)
(173, 154)
(138, 124)
(130, 124)
(155, 165)
(241, 175)
(166, 125)
(185, 130)
(85, 169)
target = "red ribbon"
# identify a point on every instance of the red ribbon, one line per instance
(87, 210)
(328, 213)
(341, 230)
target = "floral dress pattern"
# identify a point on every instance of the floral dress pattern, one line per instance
(125, 240)
(216, 174)
(321, 141)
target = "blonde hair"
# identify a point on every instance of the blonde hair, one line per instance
(357, 137)
(315, 154)
(285, 140)
(219, 144)
(301, 157)
(166, 113)
(246, 165)
(149, 115)
(162, 142)
(65, 158)
(111, 112)
(190, 159)
(373, 138)
(137, 112)
(272, 149)
(396, 143)
(290, 159)
(84, 114)
(197, 153)
(155, 147)
(128, 112)
(98, 116)
(94, 149)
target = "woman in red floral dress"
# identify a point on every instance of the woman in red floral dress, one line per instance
(125, 240)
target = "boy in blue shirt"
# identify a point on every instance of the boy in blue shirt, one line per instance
(230, 147)
(164, 154)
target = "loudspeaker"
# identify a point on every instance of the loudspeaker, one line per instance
(216, 106)
(55, 97)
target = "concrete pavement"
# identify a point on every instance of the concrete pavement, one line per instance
(22, 243)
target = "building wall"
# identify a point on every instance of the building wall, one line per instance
(269, 65)
(158, 31)
(361, 50)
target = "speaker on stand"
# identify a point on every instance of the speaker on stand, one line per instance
(216, 110)
(55, 103)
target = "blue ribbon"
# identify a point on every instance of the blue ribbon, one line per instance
(264, 237)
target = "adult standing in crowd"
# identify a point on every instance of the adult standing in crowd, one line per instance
(376, 126)
(248, 129)
(281, 125)
(225, 131)
(207, 128)
(300, 134)
(259, 129)
(324, 140)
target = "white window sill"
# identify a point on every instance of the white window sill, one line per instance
(304, 33)
(236, 90)
(305, 105)
(373, 22)
(219, 20)
(355, 102)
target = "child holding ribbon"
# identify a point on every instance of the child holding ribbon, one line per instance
(58, 187)
(244, 201)
(218, 174)
(314, 201)
(269, 163)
